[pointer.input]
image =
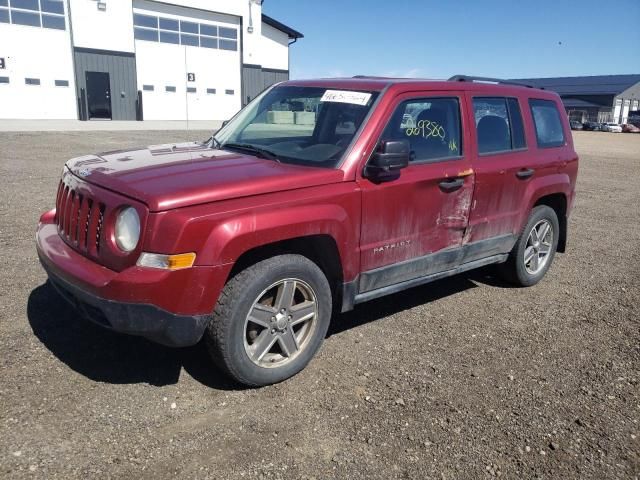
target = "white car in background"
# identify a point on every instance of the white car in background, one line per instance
(611, 127)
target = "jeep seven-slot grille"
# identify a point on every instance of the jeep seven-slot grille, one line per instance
(80, 219)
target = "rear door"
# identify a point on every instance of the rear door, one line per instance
(426, 209)
(503, 166)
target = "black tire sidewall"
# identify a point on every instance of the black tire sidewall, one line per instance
(541, 212)
(257, 278)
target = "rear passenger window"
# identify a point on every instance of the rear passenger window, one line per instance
(549, 132)
(498, 124)
(432, 126)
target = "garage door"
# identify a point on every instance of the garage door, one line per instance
(188, 62)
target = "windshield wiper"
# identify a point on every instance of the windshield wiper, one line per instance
(258, 151)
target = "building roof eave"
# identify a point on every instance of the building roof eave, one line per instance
(294, 34)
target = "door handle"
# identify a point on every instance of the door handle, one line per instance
(452, 184)
(525, 173)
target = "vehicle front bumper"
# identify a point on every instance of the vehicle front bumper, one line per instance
(170, 308)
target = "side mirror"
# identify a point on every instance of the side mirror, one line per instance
(388, 159)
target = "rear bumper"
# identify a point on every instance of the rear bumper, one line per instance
(168, 307)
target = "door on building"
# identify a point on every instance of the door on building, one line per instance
(98, 95)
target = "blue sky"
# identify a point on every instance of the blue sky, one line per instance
(436, 39)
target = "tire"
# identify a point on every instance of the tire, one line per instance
(516, 269)
(247, 318)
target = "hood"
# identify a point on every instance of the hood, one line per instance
(178, 175)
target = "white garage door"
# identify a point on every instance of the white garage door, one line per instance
(188, 62)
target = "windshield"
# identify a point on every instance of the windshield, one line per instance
(302, 125)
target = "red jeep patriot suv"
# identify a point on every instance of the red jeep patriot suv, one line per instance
(319, 195)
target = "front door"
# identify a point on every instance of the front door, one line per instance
(98, 95)
(426, 209)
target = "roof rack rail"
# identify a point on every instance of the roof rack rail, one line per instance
(469, 78)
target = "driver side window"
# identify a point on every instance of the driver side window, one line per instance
(432, 126)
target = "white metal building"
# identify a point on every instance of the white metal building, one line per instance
(137, 59)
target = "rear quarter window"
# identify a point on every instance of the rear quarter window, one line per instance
(548, 123)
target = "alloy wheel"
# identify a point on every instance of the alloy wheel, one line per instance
(280, 323)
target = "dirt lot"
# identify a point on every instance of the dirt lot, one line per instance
(464, 378)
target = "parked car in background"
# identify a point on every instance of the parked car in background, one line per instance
(591, 126)
(630, 128)
(253, 238)
(575, 125)
(611, 127)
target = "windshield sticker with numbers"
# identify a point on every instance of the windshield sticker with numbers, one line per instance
(345, 96)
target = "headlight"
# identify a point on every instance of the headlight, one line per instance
(127, 229)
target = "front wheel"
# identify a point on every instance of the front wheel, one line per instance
(534, 250)
(270, 320)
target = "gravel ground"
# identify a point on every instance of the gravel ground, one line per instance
(463, 378)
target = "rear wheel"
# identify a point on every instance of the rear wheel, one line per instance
(534, 250)
(270, 320)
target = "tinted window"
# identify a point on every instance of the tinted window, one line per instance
(432, 126)
(546, 118)
(144, 34)
(498, 124)
(52, 21)
(208, 42)
(191, 89)
(52, 6)
(4, 79)
(25, 18)
(210, 30)
(168, 24)
(228, 32)
(211, 90)
(32, 81)
(26, 4)
(228, 45)
(145, 21)
(62, 83)
(148, 88)
(188, 27)
(189, 40)
(169, 37)
(4, 16)
(517, 127)
(170, 89)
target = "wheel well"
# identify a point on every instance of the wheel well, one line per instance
(558, 202)
(320, 249)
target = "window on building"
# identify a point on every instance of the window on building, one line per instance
(211, 91)
(147, 88)
(228, 45)
(32, 81)
(25, 18)
(191, 40)
(61, 83)
(169, 24)
(169, 37)
(145, 34)
(431, 125)
(549, 131)
(209, 30)
(229, 92)
(498, 124)
(4, 79)
(145, 21)
(207, 42)
(169, 89)
(34, 13)
(191, 90)
(168, 30)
